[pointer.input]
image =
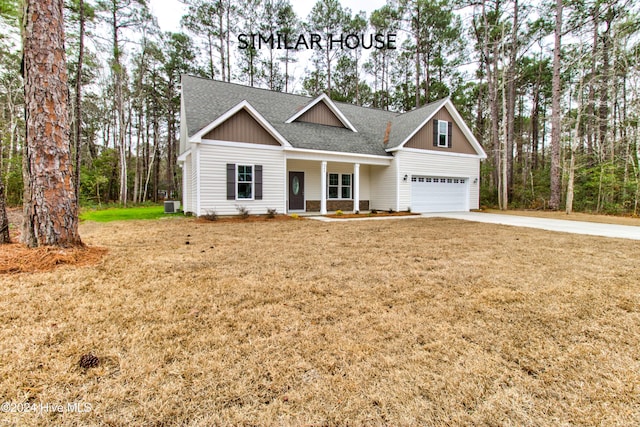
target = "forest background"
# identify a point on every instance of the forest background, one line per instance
(551, 89)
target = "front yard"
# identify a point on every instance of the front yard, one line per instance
(418, 321)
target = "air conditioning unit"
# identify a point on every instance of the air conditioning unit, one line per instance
(171, 206)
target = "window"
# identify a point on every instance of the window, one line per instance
(339, 186)
(245, 182)
(443, 133)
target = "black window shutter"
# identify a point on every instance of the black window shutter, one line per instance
(450, 133)
(231, 181)
(435, 132)
(258, 173)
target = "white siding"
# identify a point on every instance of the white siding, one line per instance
(384, 187)
(429, 164)
(213, 178)
(187, 189)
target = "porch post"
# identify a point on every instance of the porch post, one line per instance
(356, 187)
(323, 190)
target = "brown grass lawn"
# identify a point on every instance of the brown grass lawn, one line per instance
(421, 321)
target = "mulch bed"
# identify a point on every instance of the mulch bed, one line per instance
(370, 215)
(19, 258)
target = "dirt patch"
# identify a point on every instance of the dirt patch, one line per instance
(425, 322)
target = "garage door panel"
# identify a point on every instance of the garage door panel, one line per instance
(437, 194)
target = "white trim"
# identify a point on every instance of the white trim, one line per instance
(323, 190)
(184, 183)
(446, 103)
(340, 185)
(446, 134)
(183, 157)
(332, 106)
(234, 144)
(356, 187)
(438, 153)
(253, 182)
(398, 180)
(336, 156)
(198, 178)
(285, 202)
(226, 116)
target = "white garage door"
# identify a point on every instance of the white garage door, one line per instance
(438, 194)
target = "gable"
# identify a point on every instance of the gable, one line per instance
(423, 139)
(242, 127)
(321, 114)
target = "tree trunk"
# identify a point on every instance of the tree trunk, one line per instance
(50, 206)
(78, 123)
(511, 98)
(4, 221)
(554, 201)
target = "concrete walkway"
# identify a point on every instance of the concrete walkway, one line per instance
(561, 225)
(565, 226)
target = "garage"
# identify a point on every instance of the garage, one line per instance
(439, 194)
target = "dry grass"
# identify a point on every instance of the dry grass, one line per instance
(422, 321)
(574, 216)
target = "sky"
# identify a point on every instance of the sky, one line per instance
(169, 12)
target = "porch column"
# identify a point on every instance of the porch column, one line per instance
(323, 190)
(356, 187)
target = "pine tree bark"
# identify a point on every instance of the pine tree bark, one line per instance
(50, 206)
(554, 201)
(78, 102)
(4, 220)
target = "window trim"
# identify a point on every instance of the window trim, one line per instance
(252, 182)
(340, 186)
(446, 134)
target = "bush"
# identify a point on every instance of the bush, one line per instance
(295, 216)
(339, 212)
(211, 215)
(271, 213)
(243, 212)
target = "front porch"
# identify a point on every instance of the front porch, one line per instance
(326, 186)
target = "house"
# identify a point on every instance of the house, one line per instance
(259, 149)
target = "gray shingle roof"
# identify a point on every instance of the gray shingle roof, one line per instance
(205, 100)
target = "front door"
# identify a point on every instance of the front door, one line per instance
(296, 191)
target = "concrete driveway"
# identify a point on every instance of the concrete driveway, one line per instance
(565, 226)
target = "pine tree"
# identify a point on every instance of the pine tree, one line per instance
(50, 206)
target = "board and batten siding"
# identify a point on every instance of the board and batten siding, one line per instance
(321, 114)
(433, 164)
(423, 139)
(242, 127)
(213, 178)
